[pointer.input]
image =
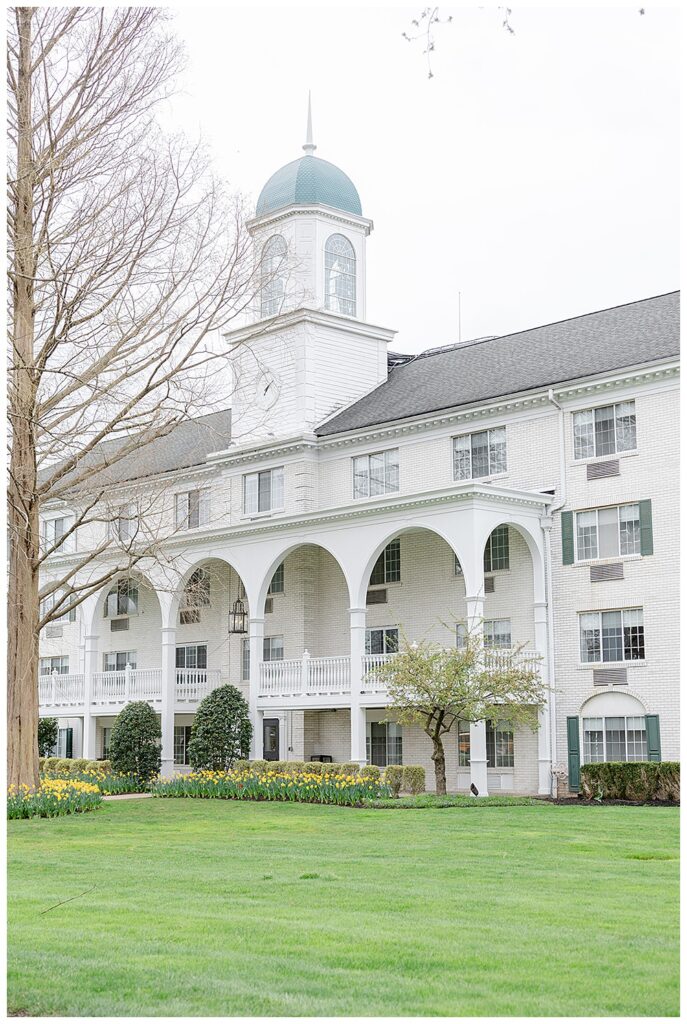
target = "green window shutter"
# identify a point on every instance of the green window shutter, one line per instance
(568, 538)
(573, 754)
(70, 743)
(653, 738)
(646, 530)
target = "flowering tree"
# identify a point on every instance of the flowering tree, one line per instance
(436, 687)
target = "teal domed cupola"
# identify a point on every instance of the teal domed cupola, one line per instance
(309, 180)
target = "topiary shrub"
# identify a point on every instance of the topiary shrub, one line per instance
(103, 766)
(393, 778)
(631, 780)
(221, 731)
(349, 767)
(47, 736)
(317, 767)
(413, 779)
(370, 771)
(242, 765)
(259, 765)
(50, 764)
(135, 741)
(63, 766)
(79, 764)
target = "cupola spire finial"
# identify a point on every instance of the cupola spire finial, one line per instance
(309, 146)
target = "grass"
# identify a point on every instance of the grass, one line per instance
(221, 908)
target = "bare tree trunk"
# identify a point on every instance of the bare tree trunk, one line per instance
(22, 614)
(439, 758)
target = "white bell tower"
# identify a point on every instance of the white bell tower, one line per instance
(309, 350)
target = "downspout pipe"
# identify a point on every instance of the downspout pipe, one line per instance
(558, 504)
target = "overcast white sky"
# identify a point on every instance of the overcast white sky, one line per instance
(536, 173)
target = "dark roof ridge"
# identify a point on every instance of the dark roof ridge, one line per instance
(541, 327)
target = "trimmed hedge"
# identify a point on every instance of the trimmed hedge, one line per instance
(393, 777)
(413, 779)
(135, 742)
(631, 780)
(370, 772)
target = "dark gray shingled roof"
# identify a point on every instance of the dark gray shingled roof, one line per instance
(629, 335)
(184, 446)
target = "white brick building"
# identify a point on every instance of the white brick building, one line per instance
(352, 493)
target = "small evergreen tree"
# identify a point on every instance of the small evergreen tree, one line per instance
(221, 730)
(47, 736)
(135, 741)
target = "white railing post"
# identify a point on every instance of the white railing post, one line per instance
(357, 620)
(53, 675)
(127, 682)
(255, 639)
(305, 672)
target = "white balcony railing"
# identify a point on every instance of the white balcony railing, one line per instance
(371, 680)
(129, 684)
(300, 676)
(58, 690)
(494, 657)
(192, 684)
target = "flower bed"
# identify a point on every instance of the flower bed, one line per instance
(328, 787)
(108, 782)
(52, 798)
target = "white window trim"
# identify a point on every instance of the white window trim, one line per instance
(479, 479)
(368, 456)
(611, 455)
(605, 559)
(266, 513)
(625, 663)
(603, 731)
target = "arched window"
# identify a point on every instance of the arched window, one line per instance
(613, 729)
(339, 275)
(122, 599)
(273, 276)
(197, 590)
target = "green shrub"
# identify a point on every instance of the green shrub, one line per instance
(79, 764)
(135, 741)
(103, 766)
(370, 772)
(413, 779)
(393, 777)
(316, 767)
(50, 763)
(349, 767)
(47, 735)
(41, 764)
(221, 731)
(63, 766)
(241, 765)
(631, 780)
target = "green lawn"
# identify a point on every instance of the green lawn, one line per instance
(222, 908)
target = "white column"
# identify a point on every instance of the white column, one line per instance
(256, 635)
(544, 733)
(89, 721)
(478, 730)
(358, 713)
(169, 672)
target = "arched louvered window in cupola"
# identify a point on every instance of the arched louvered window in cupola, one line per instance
(339, 275)
(273, 268)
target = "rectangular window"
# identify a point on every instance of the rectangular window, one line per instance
(65, 740)
(384, 743)
(500, 748)
(116, 661)
(612, 636)
(192, 656)
(124, 525)
(497, 633)
(273, 648)
(387, 568)
(463, 744)
(107, 736)
(614, 739)
(381, 641)
(376, 474)
(182, 738)
(606, 430)
(59, 664)
(245, 660)
(47, 605)
(264, 491)
(500, 745)
(53, 531)
(277, 582)
(608, 532)
(122, 599)
(192, 509)
(480, 454)
(497, 550)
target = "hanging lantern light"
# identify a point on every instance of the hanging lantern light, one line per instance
(238, 617)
